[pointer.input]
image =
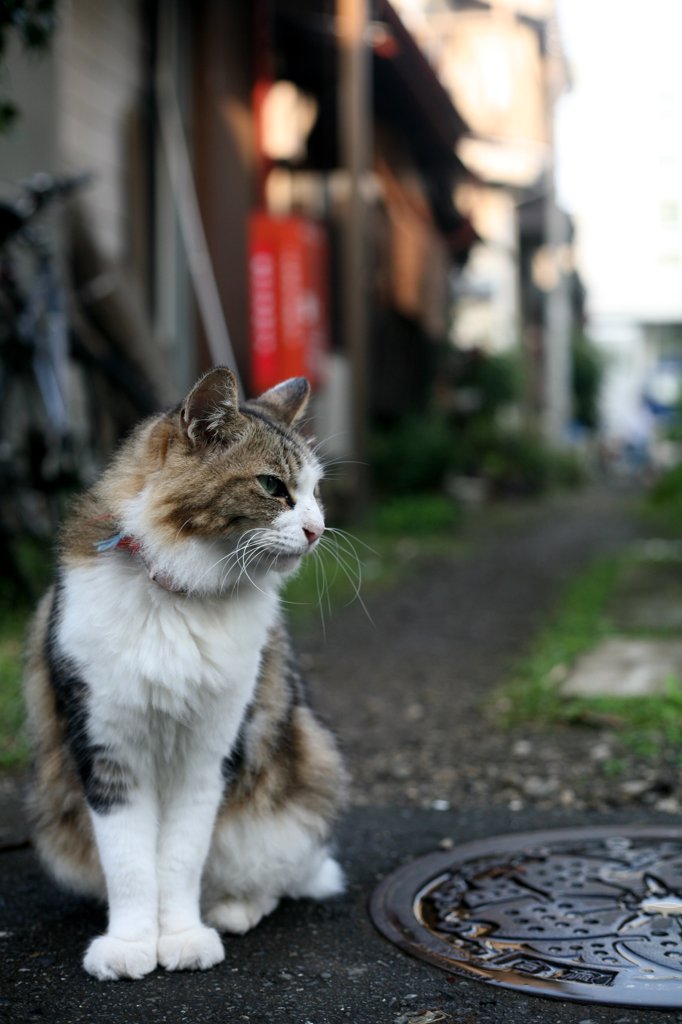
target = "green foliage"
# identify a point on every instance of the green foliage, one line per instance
(668, 489)
(418, 454)
(664, 501)
(417, 515)
(645, 722)
(12, 740)
(587, 374)
(495, 381)
(412, 456)
(514, 462)
(580, 623)
(34, 562)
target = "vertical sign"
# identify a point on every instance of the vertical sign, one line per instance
(288, 275)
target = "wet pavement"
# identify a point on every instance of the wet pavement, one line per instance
(407, 697)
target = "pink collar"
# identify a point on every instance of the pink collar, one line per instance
(124, 542)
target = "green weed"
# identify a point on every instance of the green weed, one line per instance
(384, 549)
(13, 747)
(581, 621)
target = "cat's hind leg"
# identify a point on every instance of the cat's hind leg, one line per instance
(257, 860)
(239, 916)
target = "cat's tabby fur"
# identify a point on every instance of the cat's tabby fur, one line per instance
(179, 771)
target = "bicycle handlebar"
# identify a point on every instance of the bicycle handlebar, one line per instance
(38, 191)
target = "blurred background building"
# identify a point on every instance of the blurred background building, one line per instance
(360, 192)
(627, 199)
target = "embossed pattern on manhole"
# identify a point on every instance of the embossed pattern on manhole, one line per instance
(592, 915)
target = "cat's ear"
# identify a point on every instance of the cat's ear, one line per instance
(210, 407)
(288, 400)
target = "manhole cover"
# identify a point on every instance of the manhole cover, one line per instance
(593, 915)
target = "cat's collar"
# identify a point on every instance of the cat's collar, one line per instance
(126, 542)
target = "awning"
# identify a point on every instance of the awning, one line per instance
(407, 97)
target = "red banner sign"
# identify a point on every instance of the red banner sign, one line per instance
(289, 308)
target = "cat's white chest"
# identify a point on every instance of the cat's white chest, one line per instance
(146, 647)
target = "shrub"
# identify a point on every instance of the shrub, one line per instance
(665, 499)
(412, 456)
(587, 370)
(417, 515)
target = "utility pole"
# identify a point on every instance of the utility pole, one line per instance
(354, 109)
(557, 329)
(556, 410)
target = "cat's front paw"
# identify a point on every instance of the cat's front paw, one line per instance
(195, 949)
(109, 958)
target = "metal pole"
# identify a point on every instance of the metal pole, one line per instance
(557, 315)
(557, 333)
(354, 106)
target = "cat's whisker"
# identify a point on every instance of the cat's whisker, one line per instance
(327, 440)
(181, 528)
(327, 583)
(329, 463)
(351, 539)
(329, 544)
(242, 544)
(352, 570)
(319, 586)
(340, 545)
(219, 561)
(259, 555)
(259, 544)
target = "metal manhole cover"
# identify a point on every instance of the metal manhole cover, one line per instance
(592, 915)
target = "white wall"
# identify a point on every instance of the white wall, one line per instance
(32, 142)
(75, 106)
(620, 154)
(99, 53)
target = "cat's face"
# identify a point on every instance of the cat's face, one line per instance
(235, 490)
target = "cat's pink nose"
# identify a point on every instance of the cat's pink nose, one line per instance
(312, 533)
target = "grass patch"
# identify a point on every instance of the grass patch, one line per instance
(663, 504)
(384, 549)
(645, 723)
(33, 559)
(581, 621)
(13, 746)
(424, 516)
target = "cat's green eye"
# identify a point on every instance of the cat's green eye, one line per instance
(273, 486)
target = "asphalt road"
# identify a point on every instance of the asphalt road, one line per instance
(307, 964)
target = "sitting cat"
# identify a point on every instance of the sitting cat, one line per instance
(179, 771)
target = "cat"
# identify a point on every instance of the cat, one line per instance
(178, 769)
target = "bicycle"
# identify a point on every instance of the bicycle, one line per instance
(69, 386)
